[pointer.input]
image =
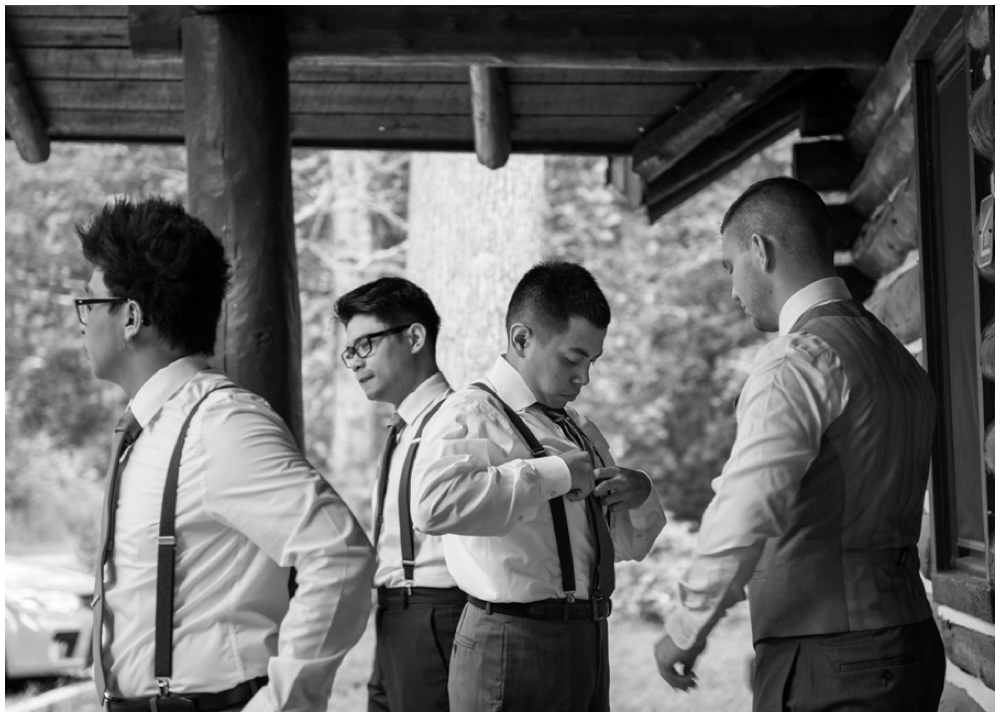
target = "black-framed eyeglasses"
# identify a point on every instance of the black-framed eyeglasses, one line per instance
(85, 306)
(363, 346)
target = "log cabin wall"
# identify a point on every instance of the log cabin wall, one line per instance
(913, 247)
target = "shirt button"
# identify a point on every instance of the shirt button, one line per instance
(552, 493)
(520, 518)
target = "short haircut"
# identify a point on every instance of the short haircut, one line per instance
(392, 301)
(787, 209)
(553, 292)
(171, 264)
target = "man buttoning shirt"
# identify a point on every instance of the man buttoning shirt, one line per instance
(526, 533)
(392, 330)
(209, 501)
(818, 509)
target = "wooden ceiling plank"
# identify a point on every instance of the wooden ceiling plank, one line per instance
(646, 37)
(490, 115)
(703, 117)
(69, 32)
(22, 119)
(111, 95)
(19, 11)
(95, 64)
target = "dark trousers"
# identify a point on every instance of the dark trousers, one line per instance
(895, 668)
(504, 663)
(412, 650)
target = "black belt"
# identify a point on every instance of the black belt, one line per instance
(424, 596)
(194, 702)
(554, 609)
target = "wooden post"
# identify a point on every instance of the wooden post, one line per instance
(24, 124)
(490, 115)
(825, 165)
(239, 182)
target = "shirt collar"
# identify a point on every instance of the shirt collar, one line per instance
(819, 292)
(162, 385)
(510, 385)
(421, 398)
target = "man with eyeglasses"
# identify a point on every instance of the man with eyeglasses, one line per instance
(392, 328)
(209, 502)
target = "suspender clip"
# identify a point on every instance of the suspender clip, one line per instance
(105, 698)
(164, 684)
(570, 596)
(167, 540)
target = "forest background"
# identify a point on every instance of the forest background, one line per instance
(677, 352)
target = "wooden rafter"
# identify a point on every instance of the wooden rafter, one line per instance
(650, 37)
(708, 112)
(490, 115)
(24, 123)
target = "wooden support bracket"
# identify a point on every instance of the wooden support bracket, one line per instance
(490, 114)
(707, 114)
(24, 123)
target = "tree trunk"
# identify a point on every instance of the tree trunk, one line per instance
(473, 233)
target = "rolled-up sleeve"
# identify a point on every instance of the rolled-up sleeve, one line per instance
(790, 399)
(259, 484)
(464, 481)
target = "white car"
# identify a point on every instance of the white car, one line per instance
(48, 619)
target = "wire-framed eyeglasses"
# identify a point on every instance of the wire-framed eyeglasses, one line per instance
(363, 346)
(85, 306)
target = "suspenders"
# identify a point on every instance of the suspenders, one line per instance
(405, 519)
(164, 640)
(557, 504)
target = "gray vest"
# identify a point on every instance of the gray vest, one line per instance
(848, 561)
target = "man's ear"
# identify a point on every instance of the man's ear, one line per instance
(519, 337)
(134, 319)
(417, 333)
(763, 251)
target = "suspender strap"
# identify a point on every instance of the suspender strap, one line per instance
(405, 519)
(557, 504)
(164, 642)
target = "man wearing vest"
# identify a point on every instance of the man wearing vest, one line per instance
(818, 509)
(209, 502)
(392, 330)
(507, 475)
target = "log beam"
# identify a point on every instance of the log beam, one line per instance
(629, 184)
(879, 101)
(649, 37)
(826, 165)
(896, 303)
(718, 155)
(24, 123)
(890, 161)
(891, 232)
(490, 115)
(709, 112)
(236, 124)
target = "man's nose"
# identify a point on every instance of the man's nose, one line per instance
(736, 297)
(583, 375)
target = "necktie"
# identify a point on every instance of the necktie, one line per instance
(604, 583)
(126, 432)
(395, 425)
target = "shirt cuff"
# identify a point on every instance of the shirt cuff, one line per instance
(650, 510)
(553, 476)
(682, 629)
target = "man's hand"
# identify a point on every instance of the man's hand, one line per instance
(622, 488)
(668, 654)
(581, 475)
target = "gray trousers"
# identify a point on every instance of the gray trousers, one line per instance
(504, 663)
(889, 669)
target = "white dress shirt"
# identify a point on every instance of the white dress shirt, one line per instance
(796, 389)
(249, 507)
(475, 482)
(430, 569)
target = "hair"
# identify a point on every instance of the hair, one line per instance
(788, 210)
(552, 292)
(167, 261)
(391, 300)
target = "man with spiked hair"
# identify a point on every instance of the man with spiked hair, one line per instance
(209, 502)
(817, 511)
(507, 475)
